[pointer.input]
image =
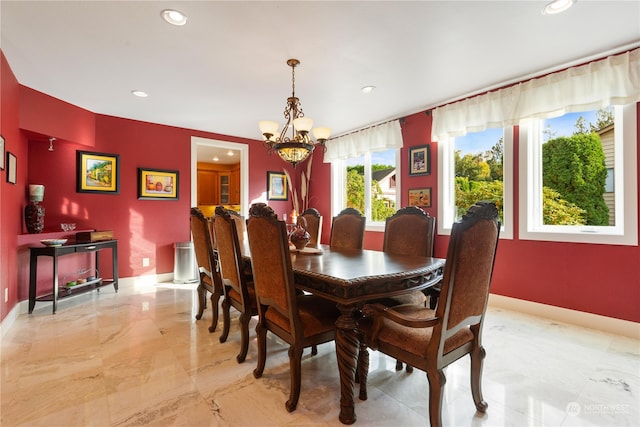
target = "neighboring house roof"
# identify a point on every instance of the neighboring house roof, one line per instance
(381, 174)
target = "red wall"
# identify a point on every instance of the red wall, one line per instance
(11, 196)
(601, 279)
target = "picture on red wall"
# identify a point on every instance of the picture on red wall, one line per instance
(157, 184)
(420, 160)
(420, 197)
(97, 173)
(277, 186)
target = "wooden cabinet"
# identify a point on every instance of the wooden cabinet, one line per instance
(224, 180)
(207, 187)
(218, 184)
(234, 187)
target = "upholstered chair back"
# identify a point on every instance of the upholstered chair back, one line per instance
(314, 226)
(347, 229)
(409, 231)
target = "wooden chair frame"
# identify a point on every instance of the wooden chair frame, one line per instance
(207, 265)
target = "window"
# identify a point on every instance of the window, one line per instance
(369, 183)
(549, 209)
(365, 172)
(474, 167)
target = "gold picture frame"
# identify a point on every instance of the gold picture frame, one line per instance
(97, 173)
(158, 184)
(277, 186)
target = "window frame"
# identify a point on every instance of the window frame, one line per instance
(339, 193)
(625, 230)
(446, 184)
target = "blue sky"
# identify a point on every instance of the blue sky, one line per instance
(479, 142)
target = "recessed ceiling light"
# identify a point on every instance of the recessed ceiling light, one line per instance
(140, 93)
(215, 159)
(174, 17)
(557, 6)
(229, 153)
(368, 89)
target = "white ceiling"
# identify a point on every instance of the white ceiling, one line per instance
(226, 69)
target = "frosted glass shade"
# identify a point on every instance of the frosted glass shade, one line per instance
(303, 124)
(268, 127)
(321, 133)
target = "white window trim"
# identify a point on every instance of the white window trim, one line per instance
(338, 189)
(446, 182)
(625, 232)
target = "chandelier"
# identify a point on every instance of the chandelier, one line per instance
(297, 147)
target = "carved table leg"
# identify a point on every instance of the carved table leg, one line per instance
(347, 344)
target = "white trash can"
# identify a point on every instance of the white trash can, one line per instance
(185, 269)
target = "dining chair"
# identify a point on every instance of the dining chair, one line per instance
(431, 340)
(301, 320)
(410, 231)
(239, 292)
(347, 229)
(207, 265)
(314, 226)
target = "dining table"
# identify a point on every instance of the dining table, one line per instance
(351, 278)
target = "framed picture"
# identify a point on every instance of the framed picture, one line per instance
(420, 197)
(277, 186)
(2, 157)
(420, 160)
(97, 172)
(158, 184)
(12, 164)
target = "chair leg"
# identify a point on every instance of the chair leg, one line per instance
(314, 350)
(202, 300)
(226, 319)
(215, 298)
(477, 360)
(244, 336)
(398, 365)
(436, 393)
(295, 368)
(261, 334)
(362, 370)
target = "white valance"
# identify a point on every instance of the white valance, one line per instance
(614, 80)
(377, 138)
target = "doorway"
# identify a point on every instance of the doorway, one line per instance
(228, 155)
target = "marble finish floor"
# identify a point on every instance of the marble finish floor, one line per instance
(138, 357)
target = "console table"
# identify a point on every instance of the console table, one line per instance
(55, 252)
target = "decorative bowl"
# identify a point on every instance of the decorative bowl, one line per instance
(68, 226)
(53, 242)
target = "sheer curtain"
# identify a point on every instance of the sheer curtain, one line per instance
(614, 80)
(377, 138)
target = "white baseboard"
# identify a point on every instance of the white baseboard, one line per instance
(574, 317)
(8, 320)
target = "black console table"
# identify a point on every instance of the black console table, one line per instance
(57, 251)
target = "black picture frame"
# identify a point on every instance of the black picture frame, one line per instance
(2, 151)
(12, 168)
(420, 160)
(97, 172)
(277, 186)
(158, 184)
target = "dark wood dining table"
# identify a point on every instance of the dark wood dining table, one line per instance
(350, 278)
